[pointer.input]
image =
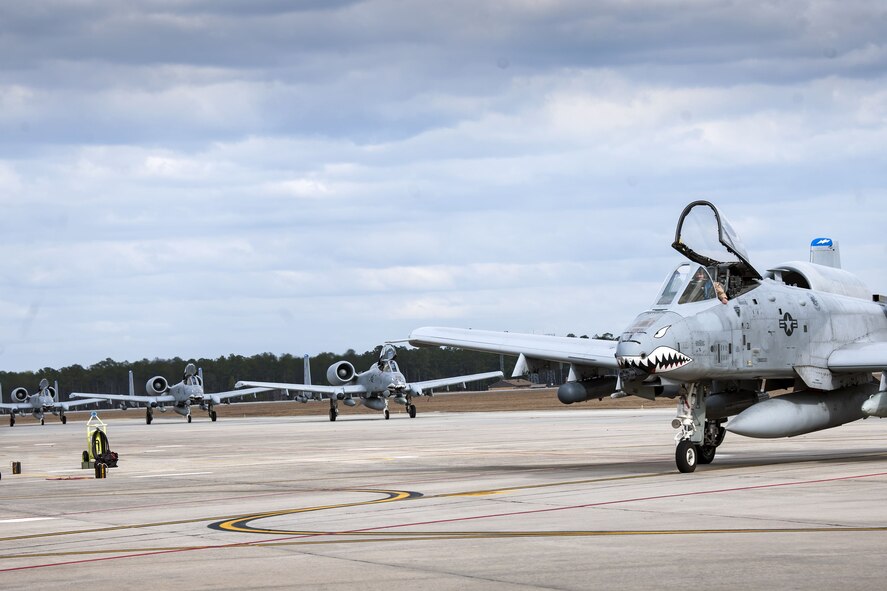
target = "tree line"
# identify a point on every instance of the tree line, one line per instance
(112, 377)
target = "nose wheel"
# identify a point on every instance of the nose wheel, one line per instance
(686, 456)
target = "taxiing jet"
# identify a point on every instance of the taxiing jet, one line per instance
(180, 396)
(719, 336)
(44, 400)
(371, 388)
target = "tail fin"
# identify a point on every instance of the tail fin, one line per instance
(55, 394)
(825, 251)
(307, 369)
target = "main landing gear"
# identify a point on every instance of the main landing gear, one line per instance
(149, 416)
(697, 438)
(410, 407)
(334, 409)
(11, 420)
(63, 418)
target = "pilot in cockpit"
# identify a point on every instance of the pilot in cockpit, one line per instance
(701, 288)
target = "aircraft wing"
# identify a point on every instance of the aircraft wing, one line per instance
(126, 397)
(15, 405)
(235, 393)
(327, 391)
(591, 352)
(72, 403)
(870, 355)
(440, 383)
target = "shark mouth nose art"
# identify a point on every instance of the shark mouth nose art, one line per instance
(662, 359)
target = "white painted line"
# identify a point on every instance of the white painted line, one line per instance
(170, 446)
(26, 519)
(170, 475)
(44, 444)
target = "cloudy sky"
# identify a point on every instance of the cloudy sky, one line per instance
(197, 178)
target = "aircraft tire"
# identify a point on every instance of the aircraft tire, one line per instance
(706, 453)
(64, 420)
(387, 414)
(686, 456)
(189, 418)
(412, 411)
(12, 420)
(213, 416)
(333, 414)
(42, 421)
(85, 456)
(148, 418)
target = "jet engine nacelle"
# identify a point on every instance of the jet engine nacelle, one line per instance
(340, 373)
(156, 386)
(374, 403)
(586, 390)
(20, 394)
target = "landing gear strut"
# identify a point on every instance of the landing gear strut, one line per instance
(691, 435)
(411, 408)
(387, 414)
(714, 436)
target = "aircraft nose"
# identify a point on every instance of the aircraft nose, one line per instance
(655, 350)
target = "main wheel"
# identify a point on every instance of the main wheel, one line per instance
(148, 418)
(64, 420)
(42, 421)
(333, 414)
(412, 411)
(685, 456)
(387, 414)
(213, 416)
(12, 420)
(706, 453)
(189, 418)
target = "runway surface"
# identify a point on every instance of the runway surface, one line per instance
(506, 500)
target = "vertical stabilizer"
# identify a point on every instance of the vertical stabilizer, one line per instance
(307, 370)
(55, 394)
(825, 251)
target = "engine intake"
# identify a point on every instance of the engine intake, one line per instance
(340, 373)
(156, 386)
(20, 394)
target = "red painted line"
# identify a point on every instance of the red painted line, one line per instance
(453, 520)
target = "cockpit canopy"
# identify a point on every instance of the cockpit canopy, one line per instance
(387, 358)
(688, 284)
(706, 237)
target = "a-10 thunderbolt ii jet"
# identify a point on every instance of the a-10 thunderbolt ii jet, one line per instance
(180, 396)
(44, 400)
(720, 335)
(372, 388)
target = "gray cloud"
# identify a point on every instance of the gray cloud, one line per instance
(199, 178)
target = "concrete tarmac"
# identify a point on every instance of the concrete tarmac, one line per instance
(507, 500)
